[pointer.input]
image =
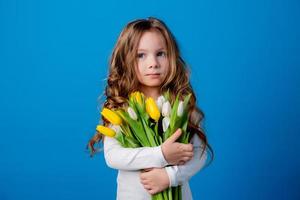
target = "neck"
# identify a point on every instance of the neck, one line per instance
(153, 92)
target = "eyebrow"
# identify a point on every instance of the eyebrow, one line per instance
(162, 48)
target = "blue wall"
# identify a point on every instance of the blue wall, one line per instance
(245, 63)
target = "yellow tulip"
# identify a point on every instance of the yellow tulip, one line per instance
(132, 94)
(111, 116)
(152, 109)
(138, 98)
(105, 131)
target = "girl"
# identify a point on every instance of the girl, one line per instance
(146, 58)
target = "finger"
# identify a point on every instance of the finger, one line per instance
(142, 176)
(189, 147)
(181, 163)
(185, 159)
(186, 147)
(175, 136)
(144, 182)
(151, 191)
(188, 154)
(147, 187)
(147, 170)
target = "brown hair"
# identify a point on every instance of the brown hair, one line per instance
(122, 78)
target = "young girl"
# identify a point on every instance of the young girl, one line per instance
(146, 58)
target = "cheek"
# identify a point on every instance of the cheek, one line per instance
(140, 67)
(138, 72)
(166, 68)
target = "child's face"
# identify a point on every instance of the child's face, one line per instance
(152, 60)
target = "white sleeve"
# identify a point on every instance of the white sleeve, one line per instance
(122, 158)
(178, 174)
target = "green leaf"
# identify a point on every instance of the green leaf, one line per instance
(120, 138)
(150, 134)
(137, 129)
(186, 101)
(167, 95)
(174, 113)
(133, 143)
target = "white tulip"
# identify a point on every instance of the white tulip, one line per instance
(159, 102)
(116, 128)
(166, 109)
(180, 109)
(165, 123)
(131, 113)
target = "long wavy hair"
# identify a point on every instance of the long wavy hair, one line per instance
(122, 79)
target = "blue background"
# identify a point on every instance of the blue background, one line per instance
(245, 63)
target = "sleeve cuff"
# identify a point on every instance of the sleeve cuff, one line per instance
(161, 156)
(171, 171)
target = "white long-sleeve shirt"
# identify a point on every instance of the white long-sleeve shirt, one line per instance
(129, 162)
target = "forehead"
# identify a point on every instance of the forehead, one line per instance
(152, 39)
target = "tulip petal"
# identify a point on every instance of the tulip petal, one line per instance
(105, 131)
(131, 113)
(152, 109)
(165, 123)
(166, 109)
(111, 116)
(180, 109)
(160, 100)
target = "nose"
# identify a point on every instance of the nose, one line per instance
(153, 63)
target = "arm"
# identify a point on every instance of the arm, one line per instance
(181, 173)
(122, 158)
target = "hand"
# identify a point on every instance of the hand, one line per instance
(154, 180)
(177, 153)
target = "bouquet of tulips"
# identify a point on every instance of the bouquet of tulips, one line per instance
(148, 123)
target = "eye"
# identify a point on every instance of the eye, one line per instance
(140, 55)
(161, 53)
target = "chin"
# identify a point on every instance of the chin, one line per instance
(154, 84)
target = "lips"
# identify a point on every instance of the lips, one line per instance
(153, 74)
